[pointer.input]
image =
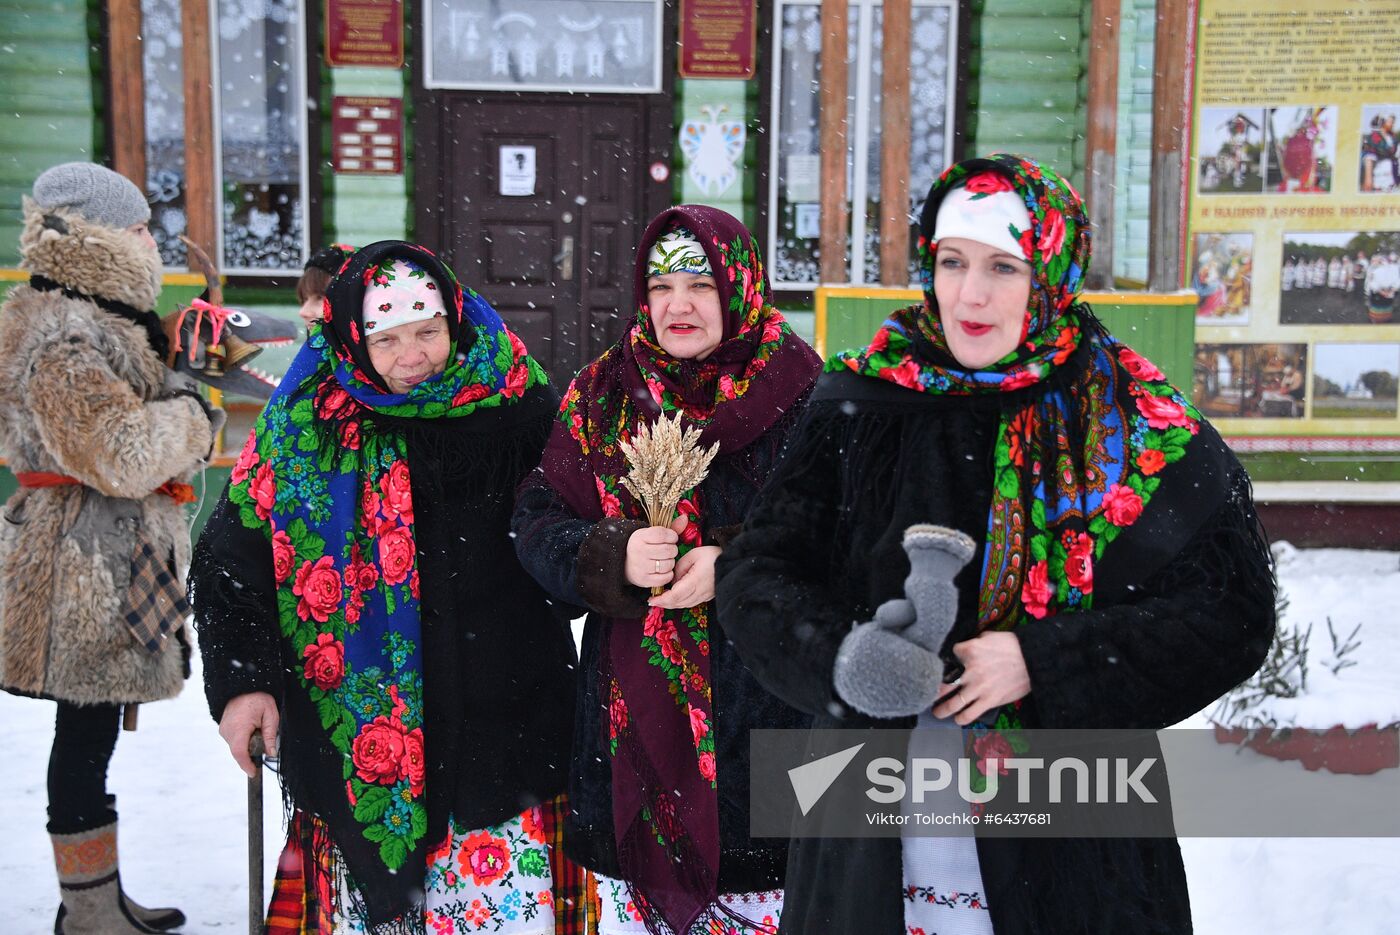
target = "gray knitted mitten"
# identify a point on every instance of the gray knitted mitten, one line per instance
(936, 555)
(890, 667)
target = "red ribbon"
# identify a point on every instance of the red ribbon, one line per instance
(180, 493)
(217, 316)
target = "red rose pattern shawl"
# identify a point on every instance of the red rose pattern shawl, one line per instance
(657, 671)
(337, 505)
(1074, 466)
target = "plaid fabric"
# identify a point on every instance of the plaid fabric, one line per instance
(286, 914)
(155, 602)
(301, 893)
(573, 912)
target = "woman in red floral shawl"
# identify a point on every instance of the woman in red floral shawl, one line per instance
(659, 787)
(1103, 564)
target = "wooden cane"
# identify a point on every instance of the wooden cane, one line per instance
(256, 749)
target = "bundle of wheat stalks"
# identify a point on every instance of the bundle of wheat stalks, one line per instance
(665, 460)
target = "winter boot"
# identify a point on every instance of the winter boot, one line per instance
(90, 887)
(163, 919)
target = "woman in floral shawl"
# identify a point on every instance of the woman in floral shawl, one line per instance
(659, 787)
(356, 587)
(1115, 575)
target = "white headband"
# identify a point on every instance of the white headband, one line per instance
(985, 218)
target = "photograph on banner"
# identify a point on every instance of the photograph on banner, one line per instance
(1222, 272)
(1251, 381)
(1380, 160)
(1355, 381)
(1230, 150)
(1339, 277)
(1300, 149)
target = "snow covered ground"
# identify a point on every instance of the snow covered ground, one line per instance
(182, 800)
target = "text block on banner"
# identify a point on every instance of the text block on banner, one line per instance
(718, 39)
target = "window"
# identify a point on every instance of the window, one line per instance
(165, 125)
(544, 45)
(260, 110)
(260, 150)
(795, 176)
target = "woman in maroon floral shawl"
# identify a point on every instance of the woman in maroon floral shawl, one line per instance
(660, 766)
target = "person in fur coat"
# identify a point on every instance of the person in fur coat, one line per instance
(104, 439)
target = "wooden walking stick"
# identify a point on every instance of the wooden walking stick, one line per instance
(256, 749)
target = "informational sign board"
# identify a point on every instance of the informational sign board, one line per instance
(367, 135)
(364, 32)
(517, 170)
(1294, 221)
(718, 39)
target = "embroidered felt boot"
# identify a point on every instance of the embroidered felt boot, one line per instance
(165, 918)
(90, 886)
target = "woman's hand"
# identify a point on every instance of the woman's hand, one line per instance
(651, 555)
(994, 674)
(695, 580)
(243, 715)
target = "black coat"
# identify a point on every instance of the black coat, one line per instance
(498, 663)
(580, 562)
(1167, 634)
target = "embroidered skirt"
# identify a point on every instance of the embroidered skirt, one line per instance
(943, 892)
(508, 879)
(619, 916)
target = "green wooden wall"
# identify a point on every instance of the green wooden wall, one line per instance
(1027, 91)
(1133, 164)
(362, 209)
(1161, 328)
(49, 112)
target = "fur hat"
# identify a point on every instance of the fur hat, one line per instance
(95, 192)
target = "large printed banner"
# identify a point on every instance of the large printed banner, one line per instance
(1294, 240)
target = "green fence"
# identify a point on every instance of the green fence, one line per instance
(1160, 327)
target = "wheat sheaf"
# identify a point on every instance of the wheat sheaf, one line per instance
(664, 461)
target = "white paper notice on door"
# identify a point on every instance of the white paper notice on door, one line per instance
(808, 221)
(517, 170)
(804, 175)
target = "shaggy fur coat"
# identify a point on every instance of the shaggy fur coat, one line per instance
(82, 394)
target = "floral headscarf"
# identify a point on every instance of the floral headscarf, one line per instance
(1076, 463)
(657, 670)
(334, 497)
(677, 251)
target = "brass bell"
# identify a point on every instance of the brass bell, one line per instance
(214, 360)
(237, 352)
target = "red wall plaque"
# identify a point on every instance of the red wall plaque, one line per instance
(718, 38)
(367, 135)
(364, 32)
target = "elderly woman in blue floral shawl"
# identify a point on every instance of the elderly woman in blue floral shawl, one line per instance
(358, 601)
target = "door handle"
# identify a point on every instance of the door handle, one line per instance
(565, 259)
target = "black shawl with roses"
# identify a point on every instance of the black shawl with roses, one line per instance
(498, 667)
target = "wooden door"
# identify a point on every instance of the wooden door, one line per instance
(557, 262)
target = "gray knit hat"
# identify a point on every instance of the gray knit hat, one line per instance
(95, 192)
